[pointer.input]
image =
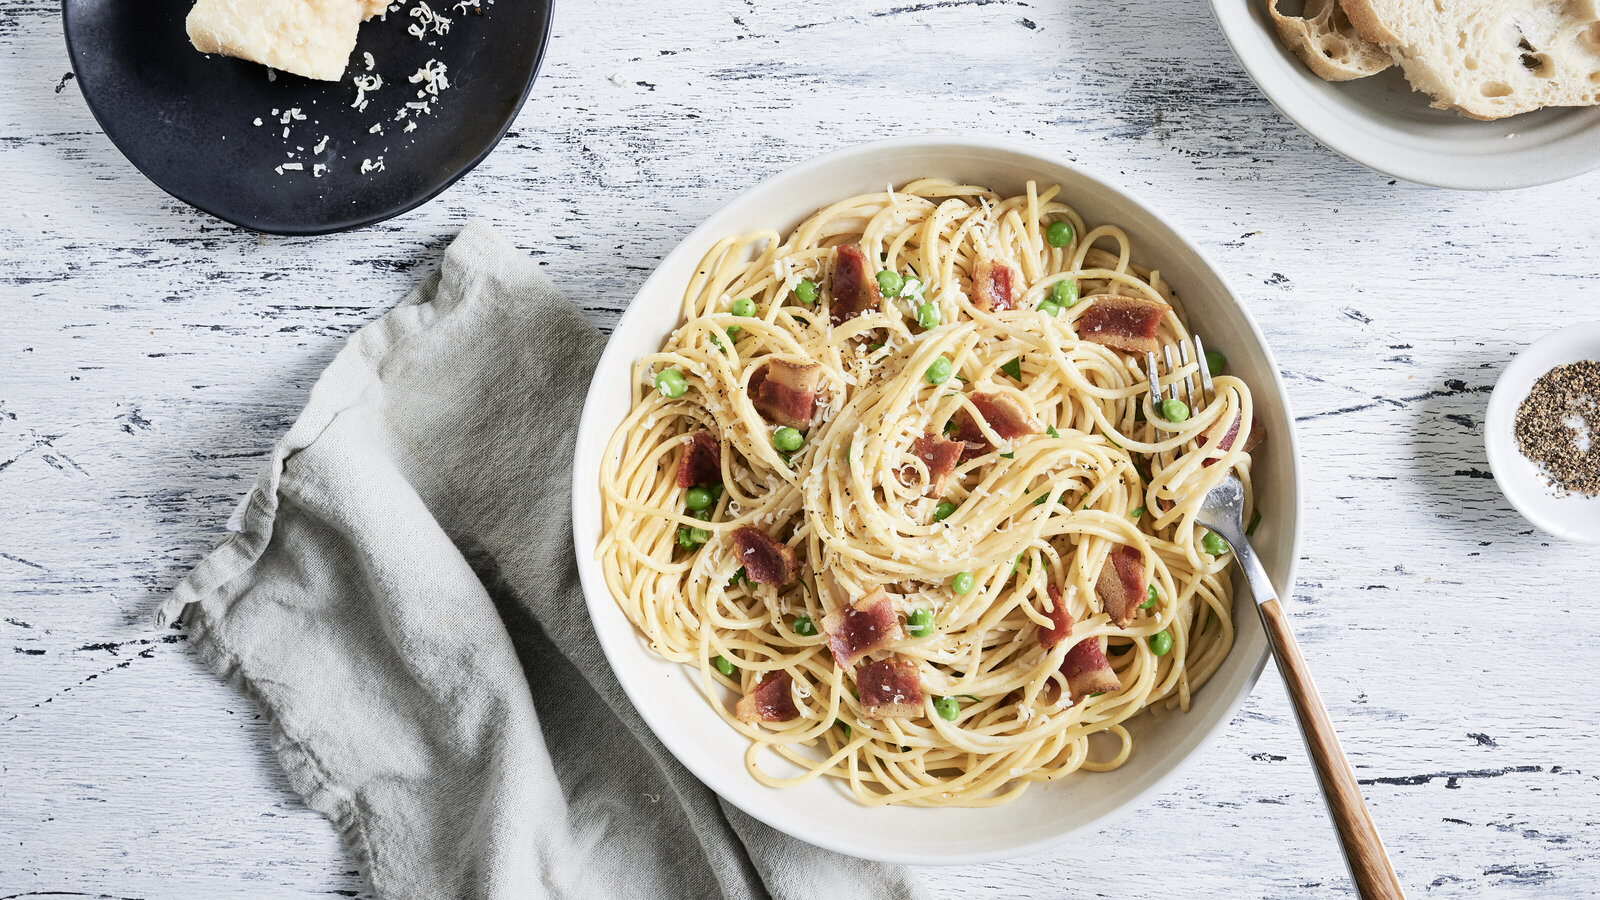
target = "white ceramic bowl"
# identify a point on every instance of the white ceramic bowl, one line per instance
(1382, 123)
(821, 812)
(1574, 517)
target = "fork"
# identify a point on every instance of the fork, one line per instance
(1222, 511)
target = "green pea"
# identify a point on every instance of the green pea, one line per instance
(1058, 234)
(939, 371)
(947, 708)
(890, 283)
(804, 627)
(738, 577)
(1215, 362)
(1050, 308)
(1174, 410)
(724, 665)
(928, 315)
(1136, 512)
(744, 306)
(806, 292)
(1013, 368)
(921, 623)
(1064, 293)
(1161, 643)
(943, 511)
(690, 538)
(1213, 543)
(671, 383)
(962, 583)
(697, 498)
(1151, 597)
(733, 332)
(788, 439)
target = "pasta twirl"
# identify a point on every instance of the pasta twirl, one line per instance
(1057, 552)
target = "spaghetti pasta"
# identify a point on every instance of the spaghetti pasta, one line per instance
(1056, 551)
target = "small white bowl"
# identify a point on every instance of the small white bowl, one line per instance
(1380, 122)
(1572, 516)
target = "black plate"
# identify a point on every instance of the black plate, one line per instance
(186, 120)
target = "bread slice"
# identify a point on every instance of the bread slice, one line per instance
(1326, 42)
(1490, 58)
(312, 38)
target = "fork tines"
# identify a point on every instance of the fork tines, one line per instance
(1190, 395)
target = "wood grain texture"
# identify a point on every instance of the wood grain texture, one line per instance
(1370, 868)
(150, 356)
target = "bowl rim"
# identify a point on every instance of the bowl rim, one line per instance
(596, 591)
(1499, 441)
(1492, 174)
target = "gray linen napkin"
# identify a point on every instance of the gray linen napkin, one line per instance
(401, 598)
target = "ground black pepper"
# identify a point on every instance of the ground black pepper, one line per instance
(1558, 426)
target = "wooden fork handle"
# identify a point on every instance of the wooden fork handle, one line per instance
(1363, 849)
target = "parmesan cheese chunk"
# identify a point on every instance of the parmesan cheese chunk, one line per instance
(313, 38)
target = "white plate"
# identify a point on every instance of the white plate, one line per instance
(821, 812)
(1382, 123)
(1574, 517)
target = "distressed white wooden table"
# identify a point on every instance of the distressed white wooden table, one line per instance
(150, 356)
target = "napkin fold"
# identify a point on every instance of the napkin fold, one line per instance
(400, 596)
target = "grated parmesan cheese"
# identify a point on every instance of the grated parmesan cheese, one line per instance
(427, 21)
(365, 84)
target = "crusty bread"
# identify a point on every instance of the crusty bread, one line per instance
(1326, 42)
(1490, 58)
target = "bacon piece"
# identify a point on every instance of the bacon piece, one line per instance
(786, 392)
(765, 560)
(1058, 614)
(867, 625)
(1087, 670)
(1003, 413)
(940, 456)
(993, 286)
(1122, 323)
(769, 700)
(1252, 440)
(701, 462)
(1121, 585)
(855, 287)
(1258, 433)
(890, 689)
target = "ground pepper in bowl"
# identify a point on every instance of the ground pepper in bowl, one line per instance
(1558, 426)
